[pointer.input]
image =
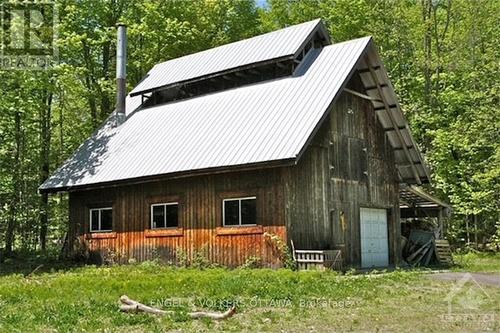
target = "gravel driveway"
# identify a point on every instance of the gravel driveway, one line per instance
(491, 279)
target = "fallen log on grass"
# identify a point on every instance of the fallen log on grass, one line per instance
(130, 306)
(27, 276)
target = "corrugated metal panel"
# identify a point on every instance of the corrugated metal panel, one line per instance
(412, 196)
(264, 122)
(132, 103)
(276, 44)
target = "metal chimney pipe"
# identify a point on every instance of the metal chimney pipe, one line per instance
(121, 71)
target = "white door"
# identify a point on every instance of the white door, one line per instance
(374, 242)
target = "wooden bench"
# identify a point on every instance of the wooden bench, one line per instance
(317, 259)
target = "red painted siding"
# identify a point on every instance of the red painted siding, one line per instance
(200, 218)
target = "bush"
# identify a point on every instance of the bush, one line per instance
(200, 259)
(284, 253)
(182, 257)
(252, 262)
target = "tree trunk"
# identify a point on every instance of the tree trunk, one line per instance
(426, 16)
(475, 231)
(11, 225)
(105, 100)
(467, 229)
(45, 136)
(89, 84)
(9, 235)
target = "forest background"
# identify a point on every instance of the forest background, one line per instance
(442, 57)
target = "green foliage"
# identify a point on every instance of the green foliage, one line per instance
(495, 242)
(442, 57)
(182, 257)
(198, 258)
(82, 93)
(283, 252)
(477, 261)
(252, 262)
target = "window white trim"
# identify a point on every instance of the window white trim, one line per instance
(164, 204)
(99, 219)
(239, 212)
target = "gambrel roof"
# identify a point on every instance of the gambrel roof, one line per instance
(268, 123)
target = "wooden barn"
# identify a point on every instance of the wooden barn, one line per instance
(284, 136)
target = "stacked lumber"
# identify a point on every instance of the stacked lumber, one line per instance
(443, 251)
(423, 249)
(419, 249)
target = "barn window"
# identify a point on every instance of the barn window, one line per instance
(101, 219)
(239, 211)
(165, 215)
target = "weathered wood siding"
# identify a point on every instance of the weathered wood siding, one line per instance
(350, 164)
(316, 203)
(200, 218)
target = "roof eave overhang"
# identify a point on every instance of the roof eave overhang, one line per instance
(425, 199)
(390, 112)
(371, 59)
(213, 75)
(174, 175)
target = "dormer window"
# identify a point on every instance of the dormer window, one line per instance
(220, 82)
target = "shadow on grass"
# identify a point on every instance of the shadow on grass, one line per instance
(33, 263)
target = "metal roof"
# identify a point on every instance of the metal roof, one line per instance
(264, 122)
(415, 203)
(412, 196)
(274, 45)
(267, 122)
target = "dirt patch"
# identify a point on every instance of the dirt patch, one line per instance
(491, 279)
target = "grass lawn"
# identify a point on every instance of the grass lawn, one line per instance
(477, 262)
(85, 299)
